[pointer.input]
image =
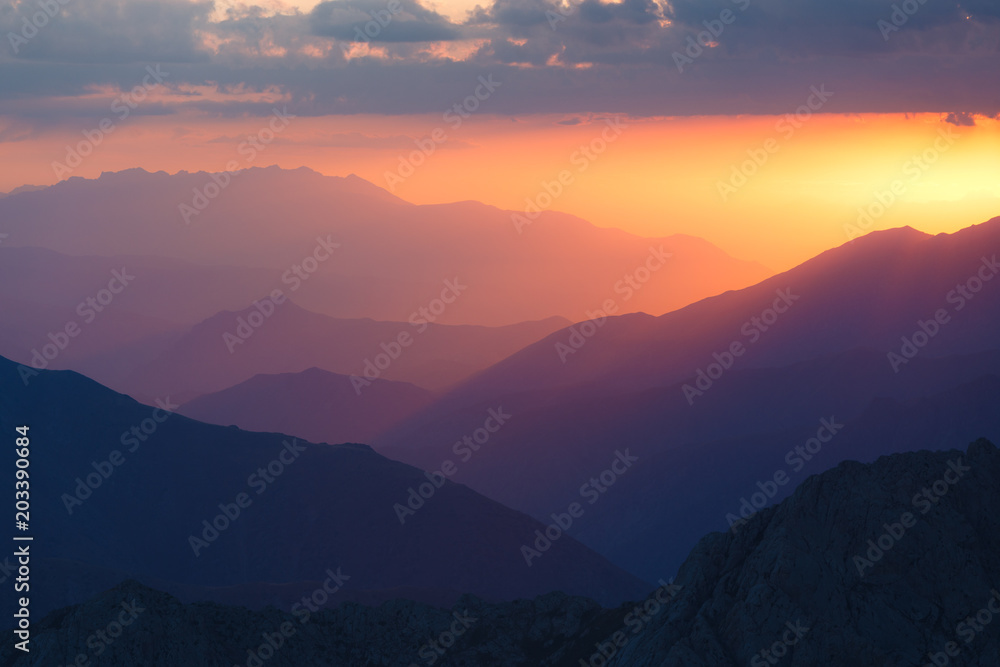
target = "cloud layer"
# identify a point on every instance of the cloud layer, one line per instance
(643, 57)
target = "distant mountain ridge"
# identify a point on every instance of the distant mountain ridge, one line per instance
(867, 293)
(272, 337)
(706, 440)
(393, 255)
(316, 405)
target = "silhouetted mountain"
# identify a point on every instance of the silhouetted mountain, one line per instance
(870, 293)
(135, 490)
(232, 347)
(23, 188)
(124, 330)
(697, 461)
(885, 564)
(316, 405)
(393, 257)
(632, 381)
(894, 562)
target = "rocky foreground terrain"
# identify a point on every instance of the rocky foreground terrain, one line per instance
(892, 563)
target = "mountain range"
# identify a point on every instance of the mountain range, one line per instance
(129, 490)
(862, 565)
(352, 240)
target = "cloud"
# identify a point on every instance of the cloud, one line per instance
(806, 28)
(585, 56)
(961, 119)
(380, 21)
(111, 31)
(515, 13)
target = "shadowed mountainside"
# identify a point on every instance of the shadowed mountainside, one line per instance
(863, 565)
(134, 489)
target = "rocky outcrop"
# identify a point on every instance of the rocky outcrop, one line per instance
(881, 564)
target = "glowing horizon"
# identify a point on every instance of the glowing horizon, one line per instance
(654, 176)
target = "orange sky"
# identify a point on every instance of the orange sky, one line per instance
(657, 176)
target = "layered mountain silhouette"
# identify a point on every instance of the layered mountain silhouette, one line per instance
(825, 357)
(161, 330)
(316, 405)
(553, 414)
(269, 337)
(127, 489)
(894, 562)
(694, 467)
(871, 292)
(392, 257)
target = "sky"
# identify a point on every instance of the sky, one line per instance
(650, 109)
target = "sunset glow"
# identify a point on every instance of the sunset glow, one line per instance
(661, 176)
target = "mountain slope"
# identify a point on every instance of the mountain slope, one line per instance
(803, 583)
(393, 257)
(697, 461)
(232, 347)
(868, 293)
(644, 381)
(134, 489)
(815, 561)
(316, 405)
